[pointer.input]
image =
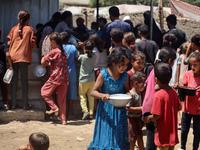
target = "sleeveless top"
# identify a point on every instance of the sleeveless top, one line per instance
(111, 128)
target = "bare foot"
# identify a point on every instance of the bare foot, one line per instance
(64, 122)
(56, 111)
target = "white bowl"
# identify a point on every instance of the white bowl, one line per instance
(39, 71)
(119, 100)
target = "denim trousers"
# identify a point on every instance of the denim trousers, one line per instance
(150, 145)
(185, 126)
(23, 68)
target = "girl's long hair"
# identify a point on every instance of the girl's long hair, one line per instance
(22, 17)
(58, 39)
(97, 41)
(88, 48)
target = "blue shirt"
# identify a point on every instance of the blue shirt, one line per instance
(72, 54)
(124, 26)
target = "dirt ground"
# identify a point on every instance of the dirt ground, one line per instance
(76, 135)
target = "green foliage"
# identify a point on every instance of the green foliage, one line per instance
(193, 2)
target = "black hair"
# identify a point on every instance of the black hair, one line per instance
(172, 19)
(39, 141)
(118, 56)
(89, 46)
(65, 37)
(114, 11)
(163, 72)
(137, 54)
(96, 39)
(66, 14)
(130, 23)
(39, 25)
(58, 39)
(147, 14)
(169, 40)
(138, 76)
(56, 15)
(144, 29)
(94, 25)
(166, 54)
(117, 35)
(195, 55)
(103, 19)
(196, 39)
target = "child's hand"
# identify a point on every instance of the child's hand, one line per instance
(110, 49)
(11, 68)
(198, 89)
(175, 86)
(147, 119)
(105, 97)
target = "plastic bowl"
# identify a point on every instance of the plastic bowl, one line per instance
(119, 100)
(39, 71)
(184, 90)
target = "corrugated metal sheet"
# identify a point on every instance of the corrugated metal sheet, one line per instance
(40, 10)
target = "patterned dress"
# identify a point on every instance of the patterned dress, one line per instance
(111, 128)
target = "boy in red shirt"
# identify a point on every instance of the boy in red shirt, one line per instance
(165, 107)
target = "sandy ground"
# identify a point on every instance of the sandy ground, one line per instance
(76, 135)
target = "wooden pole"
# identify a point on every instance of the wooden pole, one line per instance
(151, 21)
(97, 17)
(161, 14)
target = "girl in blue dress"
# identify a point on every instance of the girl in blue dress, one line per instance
(111, 128)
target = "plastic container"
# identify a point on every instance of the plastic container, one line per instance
(119, 100)
(39, 71)
(8, 76)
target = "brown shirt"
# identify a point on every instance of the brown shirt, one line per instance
(21, 48)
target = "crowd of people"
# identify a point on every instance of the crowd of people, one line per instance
(151, 71)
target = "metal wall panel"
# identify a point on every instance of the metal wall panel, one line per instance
(40, 10)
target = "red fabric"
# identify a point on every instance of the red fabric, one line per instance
(166, 104)
(130, 73)
(59, 67)
(61, 92)
(191, 103)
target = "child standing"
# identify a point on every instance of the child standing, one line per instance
(96, 39)
(111, 128)
(134, 110)
(72, 56)
(166, 55)
(58, 79)
(192, 103)
(3, 54)
(87, 79)
(166, 105)
(181, 70)
(116, 36)
(137, 62)
(21, 40)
